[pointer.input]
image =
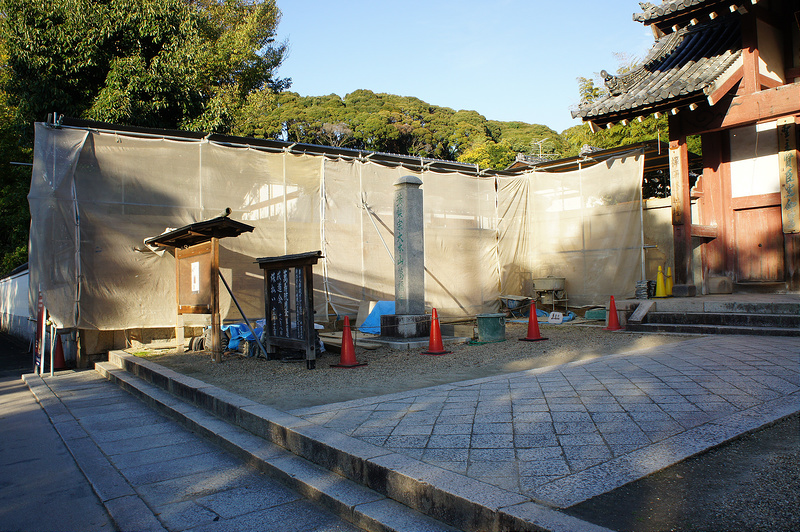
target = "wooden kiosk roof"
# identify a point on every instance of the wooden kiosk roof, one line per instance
(199, 232)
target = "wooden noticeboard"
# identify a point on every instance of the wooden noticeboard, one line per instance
(194, 273)
(197, 290)
(289, 303)
(790, 184)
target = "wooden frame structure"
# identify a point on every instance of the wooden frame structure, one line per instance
(289, 279)
(197, 271)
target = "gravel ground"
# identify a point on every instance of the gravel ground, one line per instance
(289, 385)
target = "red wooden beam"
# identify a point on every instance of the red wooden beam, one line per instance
(704, 231)
(735, 111)
(764, 105)
(723, 90)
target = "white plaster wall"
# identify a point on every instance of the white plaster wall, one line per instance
(754, 160)
(14, 311)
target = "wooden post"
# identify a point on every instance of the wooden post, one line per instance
(681, 209)
(750, 56)
(179, 339)
(308, 303)
(216, 348)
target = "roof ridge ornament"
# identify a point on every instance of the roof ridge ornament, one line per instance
(612, 83)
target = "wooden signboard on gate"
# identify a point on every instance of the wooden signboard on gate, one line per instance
(787, 161)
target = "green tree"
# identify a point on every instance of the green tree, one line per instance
(181, 64)
(395, 124)
(14, 180)
(189, 64)
(529, 138)
(587, 90)
(489, 155)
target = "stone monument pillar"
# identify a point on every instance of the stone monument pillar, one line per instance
(409, 320)
(409, 247)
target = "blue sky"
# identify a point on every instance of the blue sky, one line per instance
(506, 59)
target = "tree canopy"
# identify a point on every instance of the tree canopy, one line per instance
(399, 124)
(188, 64)
(371, 121)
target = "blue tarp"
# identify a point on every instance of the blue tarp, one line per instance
(372, 325)
(239, 332)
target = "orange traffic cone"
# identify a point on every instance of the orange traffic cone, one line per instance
(613, 318)
(435, 346)
(348, 358)
(533, 326)
(58, 356)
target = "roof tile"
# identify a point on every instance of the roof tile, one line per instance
(681, 64)
(668, 7)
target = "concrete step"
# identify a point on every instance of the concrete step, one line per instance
(351, 501)
(363, 483)
(709, 329)
(784, 321)
(732, 307)
(789, 307)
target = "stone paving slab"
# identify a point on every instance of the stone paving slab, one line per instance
(40, 484)
(563, 434)
(154, 475)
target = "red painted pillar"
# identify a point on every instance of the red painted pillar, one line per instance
(681, 210)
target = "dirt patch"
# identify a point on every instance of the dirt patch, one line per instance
(289, 385)
(752, 483)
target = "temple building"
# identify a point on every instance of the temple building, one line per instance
(728, 71)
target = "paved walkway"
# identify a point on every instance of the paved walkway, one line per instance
(40, 484)
(564, 434)
(147, 471)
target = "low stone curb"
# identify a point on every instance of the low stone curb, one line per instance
(455, 499)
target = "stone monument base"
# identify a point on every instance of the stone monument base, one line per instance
(406, 325)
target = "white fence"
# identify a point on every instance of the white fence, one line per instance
(15, 313)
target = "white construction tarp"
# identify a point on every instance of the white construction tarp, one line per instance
(97, 195)
(584, 226)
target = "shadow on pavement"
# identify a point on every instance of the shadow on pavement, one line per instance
(752, 483)
(16, 357)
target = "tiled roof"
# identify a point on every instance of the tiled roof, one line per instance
(670, 8)
(680, 69)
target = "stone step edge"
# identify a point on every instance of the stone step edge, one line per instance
(778, 309)
(353, 502)
(732, 315)
(449, 497)
(776, 321)
(704, 329)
